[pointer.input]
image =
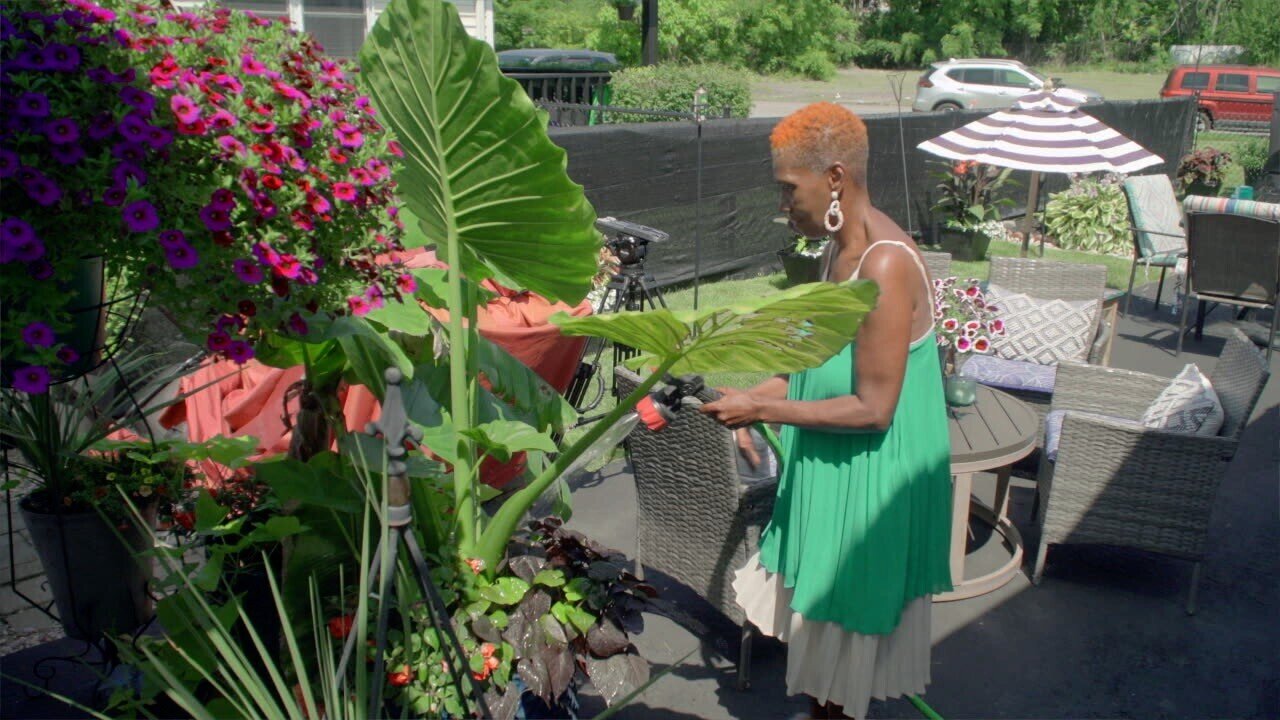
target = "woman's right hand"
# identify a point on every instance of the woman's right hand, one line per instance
(747, 447)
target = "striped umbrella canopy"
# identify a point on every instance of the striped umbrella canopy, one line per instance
(1043, 132)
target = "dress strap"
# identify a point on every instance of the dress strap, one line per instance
(924, 274)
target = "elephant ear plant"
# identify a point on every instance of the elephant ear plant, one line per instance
(489, 189)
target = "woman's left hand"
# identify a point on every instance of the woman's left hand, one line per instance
(734, 409)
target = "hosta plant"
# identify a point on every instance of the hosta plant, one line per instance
(1091, 215)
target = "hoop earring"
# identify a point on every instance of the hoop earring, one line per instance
(833, 211)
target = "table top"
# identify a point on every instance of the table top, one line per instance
(996, 430)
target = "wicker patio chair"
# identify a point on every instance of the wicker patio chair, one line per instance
(1159, 237)
(939, 263)
(1115, 482)
(697, 522)
(1049, 280)
(1234, 260)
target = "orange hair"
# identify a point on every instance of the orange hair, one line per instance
(822, 134)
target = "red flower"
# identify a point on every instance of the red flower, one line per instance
(401, 677)
(272, 182)
(340, 627)
(185, 519)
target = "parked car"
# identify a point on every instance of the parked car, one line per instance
(548, 59)
(979, 83)
(1225, 93)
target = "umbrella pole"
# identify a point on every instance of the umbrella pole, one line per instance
(1029, 221)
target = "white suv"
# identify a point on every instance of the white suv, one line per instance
(972, 84)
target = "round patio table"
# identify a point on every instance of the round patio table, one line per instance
(990, 435)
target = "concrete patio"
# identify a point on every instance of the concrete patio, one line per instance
(1104, 636)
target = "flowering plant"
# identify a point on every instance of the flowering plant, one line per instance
(1207, 166)
(68, 177)
(219, 160)
(965, 190)
(286, 195)
(963, 321)
(809, 247)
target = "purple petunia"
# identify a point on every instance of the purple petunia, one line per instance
(33, 105)
(240, 352)
(215, 218)
(223, 198)
(140, 216)
(135, 128)
(42, 190)
(144, 101)
(9, 163)
(124, 172)
(67, 355)
(102, 126)
(218, 341)
(32, 379)
(172, 238)
(62, 130)
(59, 57)
(129, 152)
(181, 256)
(248, 271)
(68, 154)
(159, 138)
(37, 334)
(265, 254)
(115, 195)
(40, 269)
(297, 325)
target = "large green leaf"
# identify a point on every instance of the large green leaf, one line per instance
(517, 383)
(503, 438)
(798, 328)
(478, 163)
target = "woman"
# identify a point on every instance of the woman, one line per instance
(860, 530)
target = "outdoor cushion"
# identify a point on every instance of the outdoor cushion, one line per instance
(1053, 428)
(1188, 405)
(1154, 208)
(1232, 206)
(1046, 332)
(1008, 374)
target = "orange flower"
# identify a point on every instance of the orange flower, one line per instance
(401, 677)
(340, 626)
(476, 565)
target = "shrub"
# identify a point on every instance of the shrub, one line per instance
(1251, 155)
(815, 65)
(671, 87)
(875, 53)
(1091, 215)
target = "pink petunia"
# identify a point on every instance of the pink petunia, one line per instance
(349, 135)
(964, 344)
(358, 305)
(374, 296)
(407, 284)
(250, 66)
(981, 344)
(184, 108)
(287, 266)
(950, 324)
(344, 191)
(996, 327)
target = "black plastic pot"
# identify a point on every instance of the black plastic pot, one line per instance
(626, 12)
(799, 268)
(965, 245)
(98, 586)
(1200, 187)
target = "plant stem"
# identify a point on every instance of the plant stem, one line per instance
(493, 543)
(459, 391)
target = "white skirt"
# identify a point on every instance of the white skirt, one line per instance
(829, 663)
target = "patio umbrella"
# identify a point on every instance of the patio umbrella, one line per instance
(1043, 132)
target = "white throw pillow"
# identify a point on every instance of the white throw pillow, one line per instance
(1045, 332)
(1188, 405)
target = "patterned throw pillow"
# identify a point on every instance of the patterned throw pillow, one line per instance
(1188, 405)
(1045, 332)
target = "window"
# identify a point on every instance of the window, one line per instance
(338, 25)
(1269, 84)
(1232, 82)
(956, 74)
(1195, 81)
(1013, 78)
(980, 76)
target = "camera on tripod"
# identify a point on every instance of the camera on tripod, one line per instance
(629, 241)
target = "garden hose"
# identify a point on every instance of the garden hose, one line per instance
(776, 445)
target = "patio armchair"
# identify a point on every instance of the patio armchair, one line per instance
(1110, 480)
(1232, 259)
(1159, 237)
(938, 263)
(697, 521)
(1032, 382)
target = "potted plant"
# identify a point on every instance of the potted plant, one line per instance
(972, 215)
(1252, 156)
(626, 8)
(802, 259)
(1091, 215)
(963, 321)
(83, 533)
(1202, 171)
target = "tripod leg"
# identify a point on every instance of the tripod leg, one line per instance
(384, 610)
(348, 647)
(435, 604)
